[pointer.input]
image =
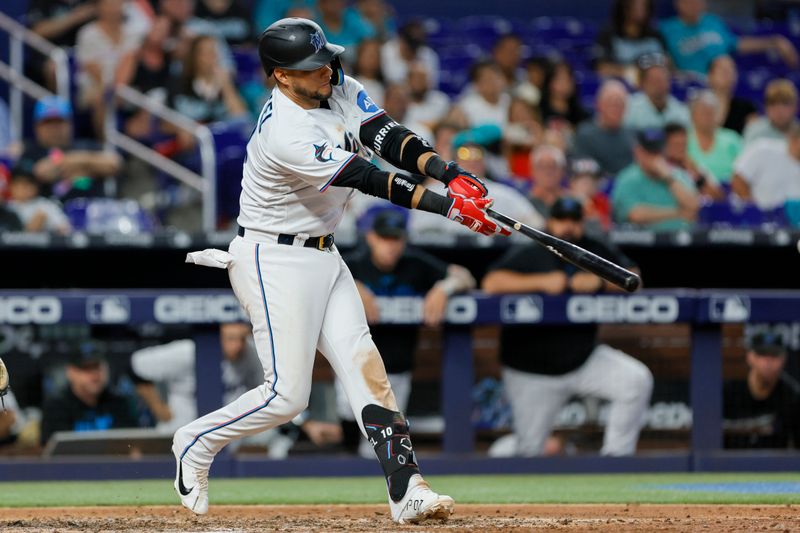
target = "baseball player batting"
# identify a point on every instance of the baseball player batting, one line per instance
(307, 155)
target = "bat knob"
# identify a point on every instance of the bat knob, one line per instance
(632, 283)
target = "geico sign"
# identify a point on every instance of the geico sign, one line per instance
(633, 309)
(197, 309)
(30, 310)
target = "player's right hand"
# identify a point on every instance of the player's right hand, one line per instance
(471, 212)
(463, 184)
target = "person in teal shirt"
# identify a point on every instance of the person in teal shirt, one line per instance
(343, 25)
(709, 146)
(695, 38)
(650, 192)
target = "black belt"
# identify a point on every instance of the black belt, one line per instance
(320, 243)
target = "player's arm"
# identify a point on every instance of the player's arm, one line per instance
(406, 191)
(408, 151)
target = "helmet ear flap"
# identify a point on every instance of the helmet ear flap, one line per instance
(337, 78)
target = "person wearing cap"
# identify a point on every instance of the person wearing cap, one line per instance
(389, 267)
(653, 106)
(87, 403)
(544, 366)
(780, 109)
(36, 212)
(695, 37)
(64, 166)
(768, 171)
(409, 45)
(605, 138)
(651, 193)
(584, 185)
(763, 411)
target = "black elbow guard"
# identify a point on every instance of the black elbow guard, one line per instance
(386, 138)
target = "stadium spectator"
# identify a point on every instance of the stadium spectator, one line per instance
(87, 403)
(387, 266)
(230, 17)
(205, 92)
(710, 146)
(768, 171)
(536, 70)
(265, 12)
(676, 152)
(695, 38)
(99, 50)
(544, 366)
(584, 186)
(653, 106)
(9, 221)
(408, 46)
(344, 26)
(549, 166)
(397, 103)
(559, 105)
(380, 15)
(367, 69)
(507, 53)
(522, 133)
(37, 214)
(780, 106)
(631, 34)
(427, 106)
(652, 193)
(489, 102)
(63, 166)
(606, 139)
(763, 411)
(58, 22)
(734, 112)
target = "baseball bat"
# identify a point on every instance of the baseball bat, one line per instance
(576, 255)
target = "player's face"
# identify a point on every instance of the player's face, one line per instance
(313, 85)
(233, 340)
(385, 251)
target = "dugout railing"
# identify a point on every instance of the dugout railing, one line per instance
(705, 310)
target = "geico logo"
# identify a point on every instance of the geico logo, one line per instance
(176, 309)
(462, 310)
(634, 309)
(401, 309)
(30, 310)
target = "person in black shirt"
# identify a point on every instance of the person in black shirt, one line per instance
(764, 410)
(229, 17)
(87, 404)
(387, 267)
(734, 112)
(544, 366)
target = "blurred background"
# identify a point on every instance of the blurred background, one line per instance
(663, 134)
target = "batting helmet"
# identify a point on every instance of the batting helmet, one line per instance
(298, 44)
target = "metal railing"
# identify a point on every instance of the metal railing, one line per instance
(205, 182)
(13, 71)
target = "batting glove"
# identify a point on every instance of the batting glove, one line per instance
(471, 212)
(462, 184)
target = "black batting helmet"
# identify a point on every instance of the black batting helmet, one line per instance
(298, 44)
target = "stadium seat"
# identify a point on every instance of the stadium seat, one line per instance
(108, 215)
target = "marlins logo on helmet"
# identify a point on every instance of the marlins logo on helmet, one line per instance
(317, 41)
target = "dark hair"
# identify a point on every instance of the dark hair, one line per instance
(618, 11)
(359, 50)
(672, 128)
(190, 63)
(478, 66)
(505, 37)
(550, 73)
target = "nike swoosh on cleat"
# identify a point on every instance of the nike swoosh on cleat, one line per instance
(181, 487)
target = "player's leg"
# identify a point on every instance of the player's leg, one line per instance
(346, 342)
(283, 290)
(625, 382)
(535, 402)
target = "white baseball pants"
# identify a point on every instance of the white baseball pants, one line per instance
(608, 374)
(299, 300)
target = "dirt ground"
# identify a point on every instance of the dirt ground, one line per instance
(716, 518)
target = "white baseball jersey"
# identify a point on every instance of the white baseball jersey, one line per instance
(294, 155)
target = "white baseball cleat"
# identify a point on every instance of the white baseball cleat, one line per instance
(191, 484)
(420, 503)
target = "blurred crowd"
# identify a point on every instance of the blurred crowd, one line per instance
(647, 124)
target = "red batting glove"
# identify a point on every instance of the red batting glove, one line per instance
(462, 184)
(471, 212)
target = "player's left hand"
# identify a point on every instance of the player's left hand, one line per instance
(434, 307)
(585, 282)
(463, 184)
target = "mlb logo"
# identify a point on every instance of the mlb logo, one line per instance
(521, 309)
(729, 308)
(108, 309)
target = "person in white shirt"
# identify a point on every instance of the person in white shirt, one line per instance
(428, 106)
(36, 213)
(653, 106)
(409, 46)
(768, 171)
(488, 103)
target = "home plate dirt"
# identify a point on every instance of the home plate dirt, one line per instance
(467, 517)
